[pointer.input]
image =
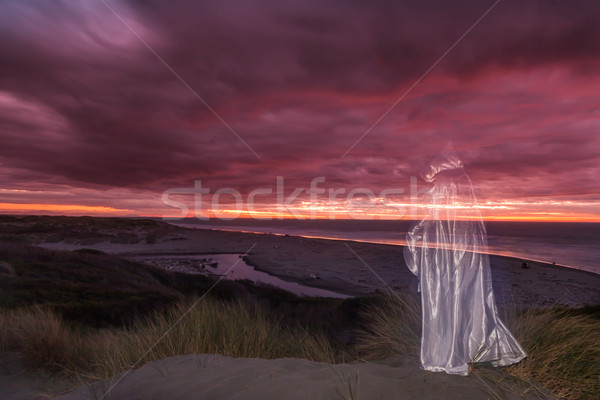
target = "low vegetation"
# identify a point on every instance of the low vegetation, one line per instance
(208, 326)
(563, 347)
(94, 289)
(391, 326)
(83, 230)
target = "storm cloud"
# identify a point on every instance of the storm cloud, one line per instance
(141, 96)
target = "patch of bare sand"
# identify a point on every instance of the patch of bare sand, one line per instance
(16, 383)
(218, 377)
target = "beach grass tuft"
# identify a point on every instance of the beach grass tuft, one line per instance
(45, 341)
(229, 328)
(563, 347)
(391, 326)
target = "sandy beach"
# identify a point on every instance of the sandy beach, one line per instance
(355, 268)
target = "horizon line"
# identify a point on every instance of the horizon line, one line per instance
(285, 218)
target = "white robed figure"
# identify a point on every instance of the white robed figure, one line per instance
(447, 251)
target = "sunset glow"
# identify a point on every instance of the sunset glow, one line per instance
(9, 208)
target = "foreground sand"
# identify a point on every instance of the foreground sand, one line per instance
(16, 383)
(217, 377)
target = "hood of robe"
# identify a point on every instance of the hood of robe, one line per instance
(447, 160)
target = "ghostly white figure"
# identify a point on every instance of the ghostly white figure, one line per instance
(447, 251)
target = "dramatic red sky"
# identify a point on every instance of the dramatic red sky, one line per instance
(93, 122)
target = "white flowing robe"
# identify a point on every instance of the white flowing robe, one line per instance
(449, 256)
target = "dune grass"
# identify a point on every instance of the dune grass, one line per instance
(43, 339)
(229, 328)
(391, 326)
(563, 346)
(233, 329)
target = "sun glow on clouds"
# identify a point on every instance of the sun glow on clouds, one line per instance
(69, 209)
(89, 116)
(301, 208)
(391, 210)
(299, 213)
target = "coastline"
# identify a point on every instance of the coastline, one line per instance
(296, 258)
(560, 243)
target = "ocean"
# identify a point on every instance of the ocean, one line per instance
(569, 244)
